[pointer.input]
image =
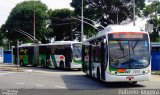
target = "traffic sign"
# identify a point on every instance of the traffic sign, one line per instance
(149, 27)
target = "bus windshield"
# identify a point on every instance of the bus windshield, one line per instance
(129, 54)
(77, 50)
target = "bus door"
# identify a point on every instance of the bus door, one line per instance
(83, 54)
(102, 61)
(30, 55)
(86, 53)
(90, 62)
(68, 53)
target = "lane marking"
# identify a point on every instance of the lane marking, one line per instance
(59, 86)
(7, 73)
(30, 70)
(20, 83)
(39, 85)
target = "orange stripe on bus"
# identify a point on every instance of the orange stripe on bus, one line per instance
(121, 70)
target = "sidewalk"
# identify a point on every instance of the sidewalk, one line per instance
(9, 67)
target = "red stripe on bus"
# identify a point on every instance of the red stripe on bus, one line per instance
(127, 33)
(61, 57)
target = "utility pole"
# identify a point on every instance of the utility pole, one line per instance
(82, 22)
(17, 45)
(134, 13)
(34, 20)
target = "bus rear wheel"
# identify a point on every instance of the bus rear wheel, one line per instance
(61, 64)
(98, 74)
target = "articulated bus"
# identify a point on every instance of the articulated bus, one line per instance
(118, 54)
(60, 54)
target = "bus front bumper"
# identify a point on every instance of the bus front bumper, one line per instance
(127, 78)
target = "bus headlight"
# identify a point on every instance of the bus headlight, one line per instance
(146, 71)
(113, 72)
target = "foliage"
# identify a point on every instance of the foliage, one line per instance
(21, 17)
(107, 12)
(3, 40)
(62, 26)
(152, 12)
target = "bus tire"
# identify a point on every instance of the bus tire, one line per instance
(79, 69)
(61, 64)
(134, 82)
(98, 74)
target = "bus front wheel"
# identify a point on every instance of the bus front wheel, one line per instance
(134, 82)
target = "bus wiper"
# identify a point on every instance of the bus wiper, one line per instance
(134, 46)
(120, 45)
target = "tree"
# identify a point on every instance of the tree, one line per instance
(107, 12)
(152, 12)
(21, 17)
(61, 27)
(3, 40)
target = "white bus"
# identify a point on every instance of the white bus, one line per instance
(118, 54)
(61, 54)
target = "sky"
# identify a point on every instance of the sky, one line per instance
(7, 5)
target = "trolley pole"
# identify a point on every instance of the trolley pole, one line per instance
(17, 44)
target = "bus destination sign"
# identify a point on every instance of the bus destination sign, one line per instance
(126, 36)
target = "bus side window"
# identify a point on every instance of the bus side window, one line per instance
(56, 51)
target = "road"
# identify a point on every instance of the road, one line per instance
(38, 78)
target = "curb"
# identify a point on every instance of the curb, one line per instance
(11, 69)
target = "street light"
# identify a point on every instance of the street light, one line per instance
(134, 13)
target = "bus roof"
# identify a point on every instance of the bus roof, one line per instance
(120, 28)
(60, 43)
(117, 28)
(26, 45)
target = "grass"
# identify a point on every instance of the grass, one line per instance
(156, 72)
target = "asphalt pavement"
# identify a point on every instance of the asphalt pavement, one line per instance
(40, 81)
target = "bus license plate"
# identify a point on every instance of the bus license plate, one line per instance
(129, 77)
